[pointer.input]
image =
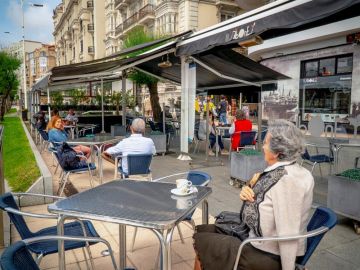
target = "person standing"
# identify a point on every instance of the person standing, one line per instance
(222, 109)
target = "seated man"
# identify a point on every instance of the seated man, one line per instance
(135, 144)
(71, 117)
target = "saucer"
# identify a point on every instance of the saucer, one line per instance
(178, 192)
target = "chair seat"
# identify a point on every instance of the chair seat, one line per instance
(120, 170)
(321, 158)
(83, 169)
(70, 229)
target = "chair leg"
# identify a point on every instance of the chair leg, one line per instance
(85, 257)
(180, 234)
(133, 240)
(90, 256)
(38, 259)
(91, 177)
(320, 171)
(313, 166)
(63, 186)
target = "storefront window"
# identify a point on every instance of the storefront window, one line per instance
(344, 64)
(311, 69)
(327, 67)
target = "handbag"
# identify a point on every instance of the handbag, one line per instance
(229, 223)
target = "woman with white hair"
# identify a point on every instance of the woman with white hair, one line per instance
(277, 202)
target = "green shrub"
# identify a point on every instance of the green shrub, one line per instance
(250, 152)
(351, 174)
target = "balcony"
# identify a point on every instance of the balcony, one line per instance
(91, 49)
(120, 4)
(119, 29)
(90, 4)
(143, 16)
(227, 4)
(243, 4)
(91, 27)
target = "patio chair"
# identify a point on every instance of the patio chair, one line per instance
(323, 220)
(44, 139)
(198, 141)
(64, 177)
(317, 159)
(18, 256)
(197, 178)
(247, 140)
(137, 164)
(75, 228)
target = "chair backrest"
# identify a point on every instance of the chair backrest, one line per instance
(263, 135)
(198, 178)
(7, 201)
(17, 257)
(247, 138)
(322, 217)
(43, 134)
(139, 163)
(306, 155)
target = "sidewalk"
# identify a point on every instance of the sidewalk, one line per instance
(338, 250)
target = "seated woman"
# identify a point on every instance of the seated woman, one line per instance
(58, 135)
(278, 203)
(212, 135)
(240, 124)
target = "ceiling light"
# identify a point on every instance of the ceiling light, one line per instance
(165, 64)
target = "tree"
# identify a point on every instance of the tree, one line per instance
(135, 37)
(117, 97)
(8, 81)
(57, 99)
(77, 96)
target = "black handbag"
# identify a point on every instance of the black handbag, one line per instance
(229, 223)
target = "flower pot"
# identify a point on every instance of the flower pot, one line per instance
(243, 167)
(344, 196)
(160, 143)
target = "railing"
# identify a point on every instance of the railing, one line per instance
(118, 2)
(131, 20)
(91, 27)
(91, 49)
(90, 4)
(118, 29)
(146, 10)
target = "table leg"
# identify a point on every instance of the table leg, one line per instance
(61, 251)
(122, 246)
(205, 212)
(165, 246)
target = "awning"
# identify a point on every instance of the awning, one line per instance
(275, 19)
(214, 69)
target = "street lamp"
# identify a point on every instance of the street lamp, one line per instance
(24, 60)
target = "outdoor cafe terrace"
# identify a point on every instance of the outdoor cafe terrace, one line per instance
(338, 249)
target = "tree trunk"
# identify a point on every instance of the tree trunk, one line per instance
(154, 100)
(2, 108)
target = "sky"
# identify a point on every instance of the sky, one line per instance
(38, 21)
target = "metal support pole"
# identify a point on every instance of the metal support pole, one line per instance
(240, 101)
(23, 101)
(102, 107)
(259, 121)
(163, 118)
(123, 100)
(48, 97)
(207, 129)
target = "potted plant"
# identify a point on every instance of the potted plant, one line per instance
(244, 164)
(344, 193)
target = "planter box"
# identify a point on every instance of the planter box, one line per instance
(344, 196)
(243, 167)
(118, 130)
(160, 143)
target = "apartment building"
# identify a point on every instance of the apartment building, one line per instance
(79, 31)
(38, 63)
(166, 18)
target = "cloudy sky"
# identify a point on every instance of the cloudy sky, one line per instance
(38, 20)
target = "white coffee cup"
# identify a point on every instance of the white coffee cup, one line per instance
(183, 203)
(183, 185)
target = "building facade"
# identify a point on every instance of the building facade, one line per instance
(38, 63)
(17, 50)
(324, 66)
(79, 31)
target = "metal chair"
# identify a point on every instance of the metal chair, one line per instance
(64, 177)
(197, 178)
(321, 222)
(318, 158)
(247, 139)
(137, 164)
(44, 139)
(75, 228)
(18, 256)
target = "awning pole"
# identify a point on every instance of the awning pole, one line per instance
(163, 118)
(102, 107)
(123, 100)
(48, 96)
(259, 121)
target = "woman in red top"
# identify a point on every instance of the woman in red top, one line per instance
(240, 124)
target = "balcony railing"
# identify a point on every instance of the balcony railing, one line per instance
(118, 2)
(141, 14)
(118, 29)
(91, 49)
(90, 4)
(91, 27)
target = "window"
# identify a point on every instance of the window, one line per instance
(327, 66)
(344, 64)
(226, 16)
(81, 46)
(42, 53)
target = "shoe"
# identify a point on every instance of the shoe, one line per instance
(224, 152)
(211, 153)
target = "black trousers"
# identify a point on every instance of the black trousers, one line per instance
(217, 251)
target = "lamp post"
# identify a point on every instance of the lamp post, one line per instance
(24, 60)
